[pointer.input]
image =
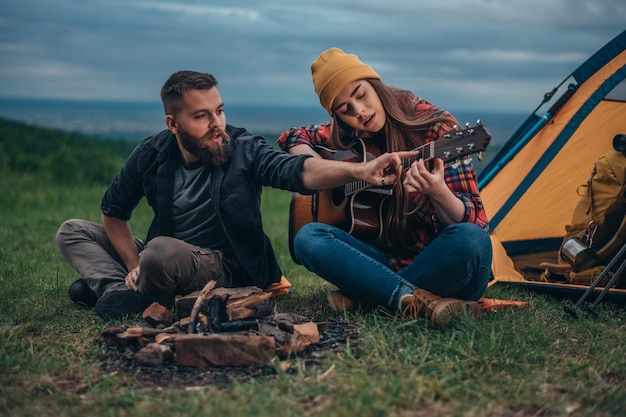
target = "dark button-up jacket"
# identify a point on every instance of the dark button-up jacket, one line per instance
(235, 190)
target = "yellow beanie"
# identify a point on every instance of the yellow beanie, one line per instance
(333, 70)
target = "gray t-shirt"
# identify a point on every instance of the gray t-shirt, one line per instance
(193, 212)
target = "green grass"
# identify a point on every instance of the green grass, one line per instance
(509, 363)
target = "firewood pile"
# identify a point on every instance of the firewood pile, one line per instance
(215, 327)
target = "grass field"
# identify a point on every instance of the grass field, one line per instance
(506, 364)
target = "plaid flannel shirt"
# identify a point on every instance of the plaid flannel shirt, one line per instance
(460, 178)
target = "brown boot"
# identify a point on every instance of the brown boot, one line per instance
(416, 304)
(437, 310)
(339, 302)
(440, 311)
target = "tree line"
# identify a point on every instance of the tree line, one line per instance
(58, 156)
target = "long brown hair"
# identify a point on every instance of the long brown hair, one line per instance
(404, 130)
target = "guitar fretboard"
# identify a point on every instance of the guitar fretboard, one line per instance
(360, 185)
(452, 146)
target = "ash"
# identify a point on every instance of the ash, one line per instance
(121, 360)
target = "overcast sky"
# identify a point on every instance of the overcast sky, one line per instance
(461, 54)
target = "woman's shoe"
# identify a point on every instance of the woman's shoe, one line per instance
(437, 310)
(340, 302)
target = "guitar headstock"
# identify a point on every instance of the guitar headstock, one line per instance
(458, 143)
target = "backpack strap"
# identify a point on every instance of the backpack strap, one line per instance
(552, 272)
(562, 273)
(610, 247)
(587, 276)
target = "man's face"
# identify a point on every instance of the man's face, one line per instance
(200, 126)
(205, 148)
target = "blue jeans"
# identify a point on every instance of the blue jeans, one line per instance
(455, 264)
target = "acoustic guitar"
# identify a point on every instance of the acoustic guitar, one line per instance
(359, 207)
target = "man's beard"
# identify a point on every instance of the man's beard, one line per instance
(208, 152)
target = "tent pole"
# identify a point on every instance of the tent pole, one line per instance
(527, 137)
(509, 155)
(572, 310)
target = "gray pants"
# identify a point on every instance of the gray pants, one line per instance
(166, 265)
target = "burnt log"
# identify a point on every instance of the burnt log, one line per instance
(185, 304)
(290, 337)
(110, 335)
(222, 349)
(253, 305)
(158, 315)
(153, 354)
(200, 304)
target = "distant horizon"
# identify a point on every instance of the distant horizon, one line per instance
(134, 120)
(158, 103)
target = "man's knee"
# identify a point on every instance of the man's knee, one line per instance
(165, 254)
(71, 231)
(156, 252)
(67, 227)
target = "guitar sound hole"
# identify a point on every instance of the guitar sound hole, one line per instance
(337, 196)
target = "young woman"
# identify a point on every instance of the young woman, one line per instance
(433, 256)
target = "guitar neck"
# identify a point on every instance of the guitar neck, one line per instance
(426, 152)
(452, 146)
(360, 185)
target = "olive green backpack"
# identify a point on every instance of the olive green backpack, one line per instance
(598, 226)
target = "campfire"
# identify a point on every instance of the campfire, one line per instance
(216, 327)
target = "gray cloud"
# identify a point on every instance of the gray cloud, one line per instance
(492, 54)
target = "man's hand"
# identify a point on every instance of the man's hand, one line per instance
(131, 279)
(119, 233)
(387, 168)
(324, 174)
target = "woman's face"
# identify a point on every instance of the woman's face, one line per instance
(359, 106)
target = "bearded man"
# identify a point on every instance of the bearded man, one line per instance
(203, 180)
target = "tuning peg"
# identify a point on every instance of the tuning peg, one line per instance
(467, 125)
(456, 127)
(480, 156)
(467, 161)
(479, 122)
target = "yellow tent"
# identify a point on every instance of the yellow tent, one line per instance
(530, 187)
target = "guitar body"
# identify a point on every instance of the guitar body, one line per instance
(359, 208)
(359, 214)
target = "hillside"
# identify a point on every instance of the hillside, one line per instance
(59, 156)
